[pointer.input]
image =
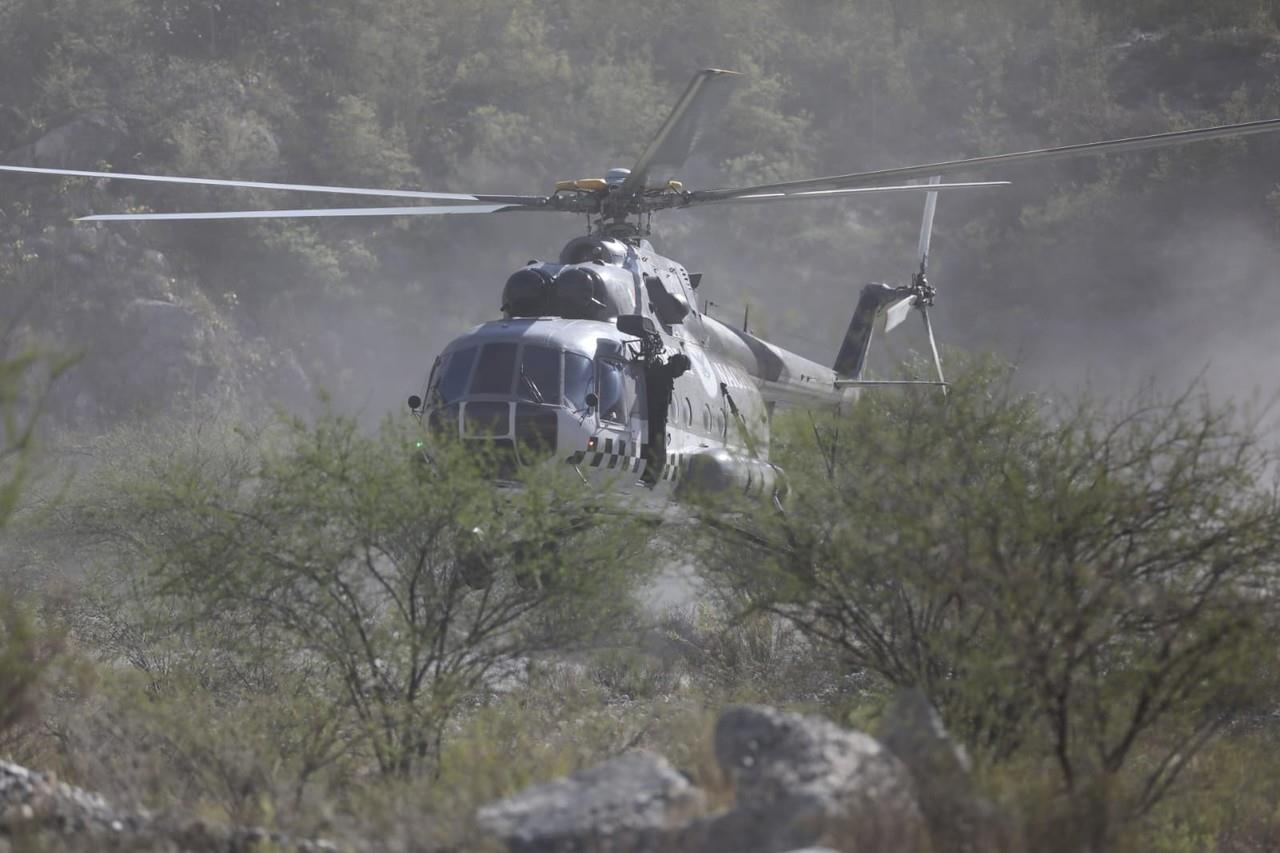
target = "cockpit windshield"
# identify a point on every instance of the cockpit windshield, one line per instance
(539, 377)
(531, 373)
(495, 370)
(454, 373)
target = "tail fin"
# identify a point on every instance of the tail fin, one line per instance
(852, 358)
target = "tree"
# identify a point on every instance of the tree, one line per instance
(1080, 585)
(26, 649)
(404, 585)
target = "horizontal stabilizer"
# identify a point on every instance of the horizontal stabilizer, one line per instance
(881, 383)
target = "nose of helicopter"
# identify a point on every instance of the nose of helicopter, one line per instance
(518, 432)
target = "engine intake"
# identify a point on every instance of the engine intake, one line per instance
(589, 291)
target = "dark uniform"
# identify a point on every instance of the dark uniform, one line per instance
(660, 380)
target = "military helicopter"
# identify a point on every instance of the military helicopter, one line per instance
(605, 361)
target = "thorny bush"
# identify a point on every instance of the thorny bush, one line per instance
(1080, 585)
(398, 584)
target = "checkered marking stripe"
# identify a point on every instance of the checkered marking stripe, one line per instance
(614, 457)
(676, 465)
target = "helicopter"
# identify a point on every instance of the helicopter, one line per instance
(605, 361)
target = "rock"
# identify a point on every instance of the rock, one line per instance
(169, 349)
(41, 813)
(959, 819)
(803, 781)
(26, 797)
(913, 731)
(631, 803)
(79, 144)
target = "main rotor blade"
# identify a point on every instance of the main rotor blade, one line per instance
(931, 189)
(949, 167)
(263, 185)
(707, 94)
(321, 212)
(926, 226)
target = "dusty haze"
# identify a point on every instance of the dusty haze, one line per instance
(1096, 272)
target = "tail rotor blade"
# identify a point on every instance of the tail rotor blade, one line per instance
(933, 345)
(896, 313)
(926, 227)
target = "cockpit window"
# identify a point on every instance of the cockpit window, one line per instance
(454, 372)
(539, 378)
(612, 406)
(579, 380)
(433, 381)
(495, 370)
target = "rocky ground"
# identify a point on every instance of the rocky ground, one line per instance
(38, 812)
(797, 783)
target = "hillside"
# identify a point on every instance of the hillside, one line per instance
(1088, 270)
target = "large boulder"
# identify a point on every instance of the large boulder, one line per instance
(960, 820)
(632, 803)
(799, 784)
(803, 781)
(79, 144)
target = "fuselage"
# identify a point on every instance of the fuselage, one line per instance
(575, 389)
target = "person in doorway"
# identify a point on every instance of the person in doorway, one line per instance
(660, 382)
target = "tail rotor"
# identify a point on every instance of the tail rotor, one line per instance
(924, 292)
(892, 305)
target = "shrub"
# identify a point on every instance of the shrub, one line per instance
(26, 647)
(1082, 585)
(400, 586)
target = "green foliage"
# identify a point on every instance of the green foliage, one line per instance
(1082, 586)
(357, 149)
(26, 645)
(26, 651)
(18, 431)
(399, 586)
(506, 96)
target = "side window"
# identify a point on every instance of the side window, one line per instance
(688, 412)
(579, 380)
(496, 369)
(612, 392)
(454, 374)
(706, 418)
